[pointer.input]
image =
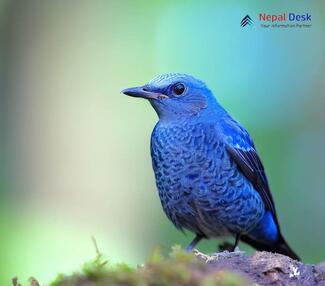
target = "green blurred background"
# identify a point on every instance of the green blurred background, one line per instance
(75, 158)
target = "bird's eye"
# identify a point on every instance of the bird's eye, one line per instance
(179, 88)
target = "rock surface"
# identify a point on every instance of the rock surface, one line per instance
(266, 268)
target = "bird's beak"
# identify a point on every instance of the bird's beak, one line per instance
(140, 91)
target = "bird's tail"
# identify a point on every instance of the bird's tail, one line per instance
(281, 246)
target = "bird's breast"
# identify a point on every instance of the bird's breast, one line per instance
(186, 156)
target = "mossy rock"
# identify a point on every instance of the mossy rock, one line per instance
(179, 268)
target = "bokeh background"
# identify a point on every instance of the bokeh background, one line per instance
(74, 152)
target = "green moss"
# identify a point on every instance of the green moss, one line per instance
(179, 268)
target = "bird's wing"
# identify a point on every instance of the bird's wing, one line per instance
(242, 151)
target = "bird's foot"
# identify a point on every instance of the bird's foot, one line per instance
(209, 258)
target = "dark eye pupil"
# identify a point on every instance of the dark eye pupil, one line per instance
(179, 88)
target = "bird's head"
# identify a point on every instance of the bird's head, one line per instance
(175, 95)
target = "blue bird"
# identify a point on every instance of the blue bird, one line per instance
(209, 176)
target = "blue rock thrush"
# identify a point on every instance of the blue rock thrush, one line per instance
(208, 174)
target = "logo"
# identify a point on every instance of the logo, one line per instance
(246, 21)
(278, 20)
